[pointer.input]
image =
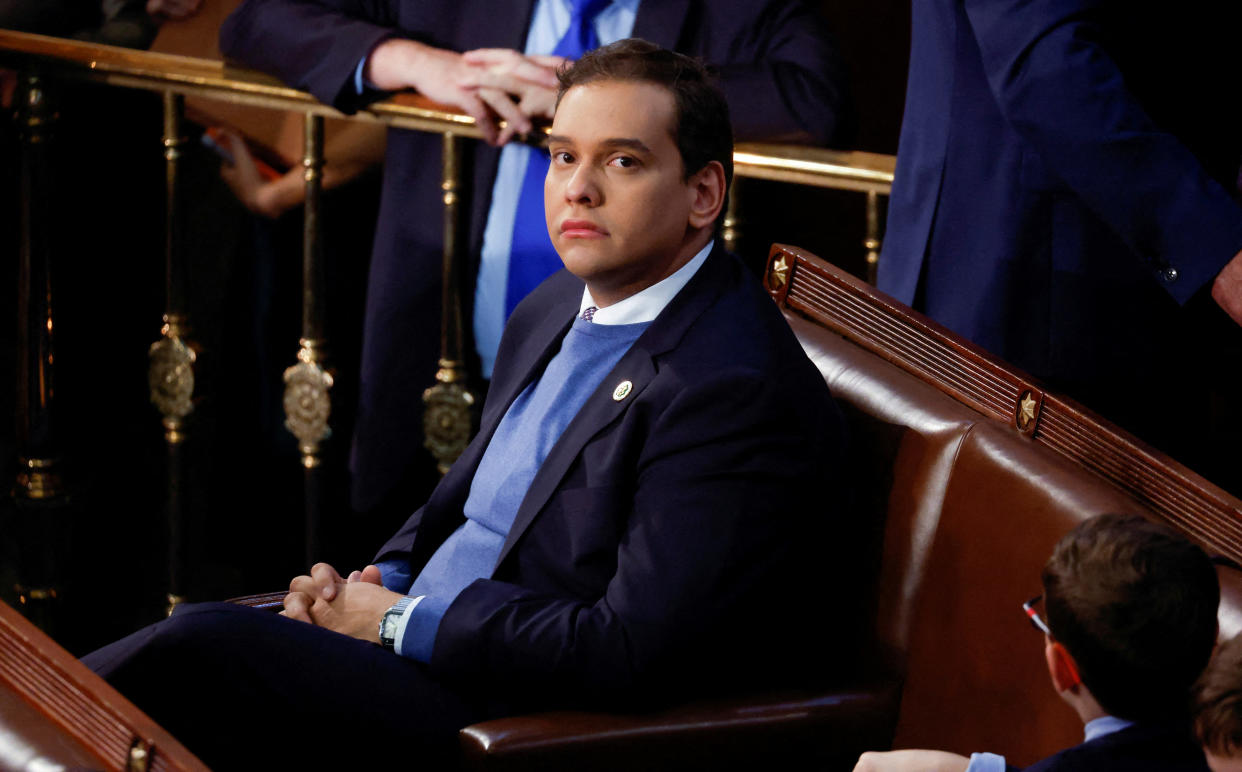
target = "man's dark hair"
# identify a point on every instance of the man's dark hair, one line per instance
(1218, 701)
(1135, 604)
(702, 131)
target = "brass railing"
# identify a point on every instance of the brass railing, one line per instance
(43, 61)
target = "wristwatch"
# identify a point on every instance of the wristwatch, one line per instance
(388, 623)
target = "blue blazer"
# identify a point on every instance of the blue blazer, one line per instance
(1065, 172)
(678, 541)
(777, 68)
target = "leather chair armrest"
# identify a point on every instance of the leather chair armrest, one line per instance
(821, 730)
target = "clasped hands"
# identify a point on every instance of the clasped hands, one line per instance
(490, 85)
(351, 606)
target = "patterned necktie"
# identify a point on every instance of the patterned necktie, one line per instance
(531, 256)
(588, 313)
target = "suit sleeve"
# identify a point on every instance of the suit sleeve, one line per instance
(313, 45)
(703, 572)
(792, 87)
(1058, 87)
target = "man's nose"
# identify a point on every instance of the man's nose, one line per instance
(582, 187)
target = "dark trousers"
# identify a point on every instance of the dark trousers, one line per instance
(245, 688)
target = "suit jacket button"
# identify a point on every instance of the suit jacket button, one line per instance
(1169, 274)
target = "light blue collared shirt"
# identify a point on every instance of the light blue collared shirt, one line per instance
(1093, 730)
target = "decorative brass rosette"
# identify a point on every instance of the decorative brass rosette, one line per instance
(171, 378)
(447, 421)
(307, 405)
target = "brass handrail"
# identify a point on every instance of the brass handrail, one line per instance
(842, 170)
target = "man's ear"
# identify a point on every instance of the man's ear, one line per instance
(1061, 666)
(708, 187)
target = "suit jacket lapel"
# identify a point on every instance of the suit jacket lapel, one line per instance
(638, 366)
(661, 21)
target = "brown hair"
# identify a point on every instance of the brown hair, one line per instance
(1218, 701)
(702, 131)
(1135, 604)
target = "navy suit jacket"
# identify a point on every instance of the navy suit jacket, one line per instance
(677, 541)
(777, 68)
(1139, 748)
(1064, 173)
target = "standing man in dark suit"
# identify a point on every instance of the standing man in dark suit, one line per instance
(641, 517)
(1066, 185)
(776, 67)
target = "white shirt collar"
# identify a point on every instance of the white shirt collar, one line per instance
(646, 305)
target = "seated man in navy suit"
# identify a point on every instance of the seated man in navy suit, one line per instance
(1131, 624)
(641, 518)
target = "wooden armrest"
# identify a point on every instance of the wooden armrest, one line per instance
(822, 730)
(273, 601)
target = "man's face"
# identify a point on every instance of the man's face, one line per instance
(617, 206)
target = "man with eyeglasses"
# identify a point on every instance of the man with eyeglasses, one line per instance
(1131, 622)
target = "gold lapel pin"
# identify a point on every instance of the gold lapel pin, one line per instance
(622, 391)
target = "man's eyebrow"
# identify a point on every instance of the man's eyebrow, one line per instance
(634, 144)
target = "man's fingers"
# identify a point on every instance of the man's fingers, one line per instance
(510, 70)
(354, 576)
(1227, 289)
(371, 574)
(516, 80)
(488, 55)
(326, 579)
(483, 117)
(538, 104)
(536, 74)
(548, 60)
(505, 107)
(297, 606)
(1231, 305)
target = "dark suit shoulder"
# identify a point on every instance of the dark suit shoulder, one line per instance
(743, 330)
(1139, 748)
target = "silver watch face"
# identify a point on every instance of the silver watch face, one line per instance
(388, 626)
(390, 620)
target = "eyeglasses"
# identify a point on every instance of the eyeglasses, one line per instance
(1036, 620)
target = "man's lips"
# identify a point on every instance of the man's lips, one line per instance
(582, 229)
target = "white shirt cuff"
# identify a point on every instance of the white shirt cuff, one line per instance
(986, 762)
(405, 620)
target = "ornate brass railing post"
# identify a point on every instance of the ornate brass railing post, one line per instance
(308, 403)
(730, 229)
(448, 419)
(38, 493)
(871, 242)
(171, 370)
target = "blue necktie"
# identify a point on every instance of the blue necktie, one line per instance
(531, 256)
